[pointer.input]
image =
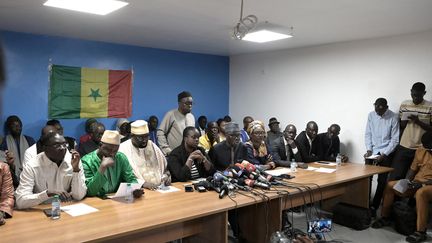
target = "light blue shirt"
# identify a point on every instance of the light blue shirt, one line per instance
(382, 133)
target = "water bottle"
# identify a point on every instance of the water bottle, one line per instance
(55, 207)
(293, 166)
(129, 194)
(338, 160)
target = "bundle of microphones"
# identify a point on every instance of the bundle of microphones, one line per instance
(242, 176)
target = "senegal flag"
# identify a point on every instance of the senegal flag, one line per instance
(89, 93)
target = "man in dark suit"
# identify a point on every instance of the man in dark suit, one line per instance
(330, 144)
(308, 144)
(284, 149)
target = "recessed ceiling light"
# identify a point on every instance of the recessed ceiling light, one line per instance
(265, 36)
(100, 7)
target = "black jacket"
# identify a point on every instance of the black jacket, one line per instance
(308, 154)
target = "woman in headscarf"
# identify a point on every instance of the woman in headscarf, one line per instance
(258, 152)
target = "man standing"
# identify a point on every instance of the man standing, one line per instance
(97, 130)
(381, 139)
(284, 150)
(170, 132)
(146, 159)
(153, 122)
(308, 144)
(274, 134)
(230, 151)
(415, 119)
(244, 136)
(105, 168)
(419, 185)
(330, 144)
(52, 172)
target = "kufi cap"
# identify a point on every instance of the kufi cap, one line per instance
(139, 127)
(273, 120)
(121, 121)
(231, 127)
(111, 137)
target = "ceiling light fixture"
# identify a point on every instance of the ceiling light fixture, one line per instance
(100, 7)
(244, 25)
(261, 35)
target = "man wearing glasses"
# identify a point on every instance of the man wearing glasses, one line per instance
(170, 131)
(52, 172)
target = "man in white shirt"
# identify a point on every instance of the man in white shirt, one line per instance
(52, 172)
(146, 159)
(37, 148)
(170, 131)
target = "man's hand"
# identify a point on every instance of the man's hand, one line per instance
(414, 118)
(166, 179)
(150, 186)
(138, 193)
(414, 185)
(2, 220)
(380, 159)
(64, 196)
(197, 155)
(75, 160)
(10, 159)
(291, 143)
(367, 154)
(344, 158)
(106, 163)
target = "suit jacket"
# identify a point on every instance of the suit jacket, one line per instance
(308, 154)
(220, 155)
(279, 153)
(329, 147)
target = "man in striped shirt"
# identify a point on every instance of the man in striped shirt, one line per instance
(415, 119)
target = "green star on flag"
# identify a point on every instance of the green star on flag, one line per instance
(94, 94)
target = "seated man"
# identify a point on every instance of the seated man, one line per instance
(15, 143)
(6, 193)
(274, 134)
(188, 161)
(37, 148)
(72, 144)
(244, 136)
(105, 168)
(420, 186)
(88, 129)
(308, 143)
(284, 150)
(52, 172)
(211, 137)
(258, 152)
(230, 151)
(146, 159)
(330, 144)
(123, 127)
(97, 130)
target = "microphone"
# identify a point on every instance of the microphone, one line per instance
(253, 183)
(224, 191)
(260, 178)
(219, 177)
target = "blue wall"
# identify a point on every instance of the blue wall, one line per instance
(159, 75)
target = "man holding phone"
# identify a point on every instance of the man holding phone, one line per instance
(52, 172)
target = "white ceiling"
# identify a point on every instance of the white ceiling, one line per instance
(204, 26)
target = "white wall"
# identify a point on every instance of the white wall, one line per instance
(335, 83)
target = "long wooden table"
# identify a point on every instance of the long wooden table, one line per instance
(196, 217)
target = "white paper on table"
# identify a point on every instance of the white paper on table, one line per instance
(311, 168)
(373, 156)
(325, 170)
(78, 209)
(406, 114)
(170, 189)
(278, 172)
(401, 186)
(122, 190)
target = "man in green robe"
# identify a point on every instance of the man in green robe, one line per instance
(105, 168)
